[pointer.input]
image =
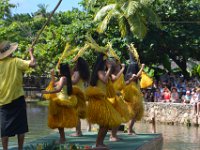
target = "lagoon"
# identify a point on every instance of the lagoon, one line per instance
(177, 137)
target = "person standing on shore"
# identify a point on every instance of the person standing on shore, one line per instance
(12, 102)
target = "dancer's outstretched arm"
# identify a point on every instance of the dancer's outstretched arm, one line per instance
(140, 71)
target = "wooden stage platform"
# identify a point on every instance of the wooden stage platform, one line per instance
(137, 142)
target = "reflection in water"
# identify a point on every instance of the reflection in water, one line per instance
(175, 137)
(37, 119)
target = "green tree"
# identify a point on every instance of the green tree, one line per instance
(132, 16)
(42, 10)
(178, 39)
(5, 9)
(63, 28)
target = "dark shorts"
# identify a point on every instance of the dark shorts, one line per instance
(14, 118)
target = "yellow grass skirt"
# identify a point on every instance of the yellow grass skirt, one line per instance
(81, 102)
(99, 110)
(117, 102)
(61, 113)
(121, 106)
(134, 100)
(63, 118)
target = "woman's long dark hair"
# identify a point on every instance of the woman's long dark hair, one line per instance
(65, 71)
(99, 65)
(83, 68)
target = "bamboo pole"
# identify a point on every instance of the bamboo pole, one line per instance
(45, 24)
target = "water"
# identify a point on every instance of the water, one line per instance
(175, 137)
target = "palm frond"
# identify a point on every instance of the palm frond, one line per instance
(93, 44)
(137, 26)
(111, 51)
(111, 1)
(71, 52)
(123, 7)
(91, 3)
(103, 25)
(123, 25)
(145, 2)
(151, 16)
(68, 51)
(96, 47)
(134, 52)
(81, 51)
(67, 47)
(120, 2)
(131, 8)
(103, 11)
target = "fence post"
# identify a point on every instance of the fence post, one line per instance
(197, 121)
(154, 121)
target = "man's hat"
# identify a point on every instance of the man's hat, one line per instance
(7, 48)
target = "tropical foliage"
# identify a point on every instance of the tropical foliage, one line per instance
(178, 40)
(119, 22)
(5, 7)
(132, 16)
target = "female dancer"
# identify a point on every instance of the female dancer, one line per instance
(133, 95)
(62, 112)
(80, 79)
(100, 110)
(119, 104)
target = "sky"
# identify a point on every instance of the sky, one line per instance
(29, 6)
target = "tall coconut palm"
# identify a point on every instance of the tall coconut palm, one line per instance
(132, 16)
(42, 10)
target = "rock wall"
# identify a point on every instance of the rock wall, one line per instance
(171, 113)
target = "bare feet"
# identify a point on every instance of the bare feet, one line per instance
(132, 133)
(76, 134)
(115, 139)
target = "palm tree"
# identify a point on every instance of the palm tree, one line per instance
(42, 10)
(132, 16)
